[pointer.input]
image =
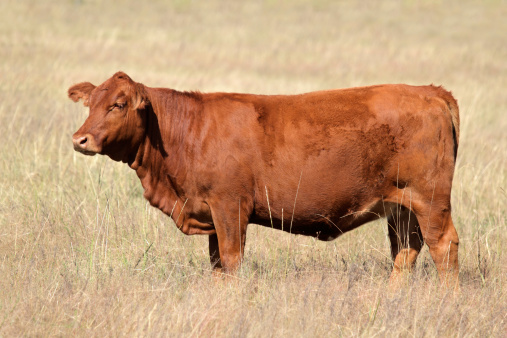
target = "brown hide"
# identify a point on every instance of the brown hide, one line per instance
(317, 164)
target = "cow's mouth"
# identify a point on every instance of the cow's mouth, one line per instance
(85, 152)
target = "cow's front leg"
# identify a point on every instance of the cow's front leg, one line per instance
(214, 254)
(230, 220)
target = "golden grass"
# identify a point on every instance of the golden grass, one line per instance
(81, 252)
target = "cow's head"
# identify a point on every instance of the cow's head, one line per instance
(116, 124)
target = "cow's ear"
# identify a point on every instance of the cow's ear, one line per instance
(81, 91)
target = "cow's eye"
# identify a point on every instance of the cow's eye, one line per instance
(119, 105)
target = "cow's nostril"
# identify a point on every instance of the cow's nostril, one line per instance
(80, 142)
(85, 144)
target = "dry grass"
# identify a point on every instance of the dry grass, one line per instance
(82, 253)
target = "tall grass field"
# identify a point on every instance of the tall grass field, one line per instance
(82, 253)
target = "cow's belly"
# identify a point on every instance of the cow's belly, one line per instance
(324, 225)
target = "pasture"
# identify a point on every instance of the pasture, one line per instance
(82, 252)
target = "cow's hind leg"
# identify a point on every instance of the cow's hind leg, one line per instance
(441, 237)
(406, 241)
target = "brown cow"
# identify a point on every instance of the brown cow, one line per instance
(316, 164)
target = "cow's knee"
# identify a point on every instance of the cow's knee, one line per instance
(230, 261)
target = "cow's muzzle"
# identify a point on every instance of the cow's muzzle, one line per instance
(85, 144)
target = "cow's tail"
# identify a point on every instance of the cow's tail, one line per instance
(453, 108)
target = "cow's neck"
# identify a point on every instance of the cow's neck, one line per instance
(160, 162)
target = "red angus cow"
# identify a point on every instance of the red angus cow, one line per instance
(332, 160)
